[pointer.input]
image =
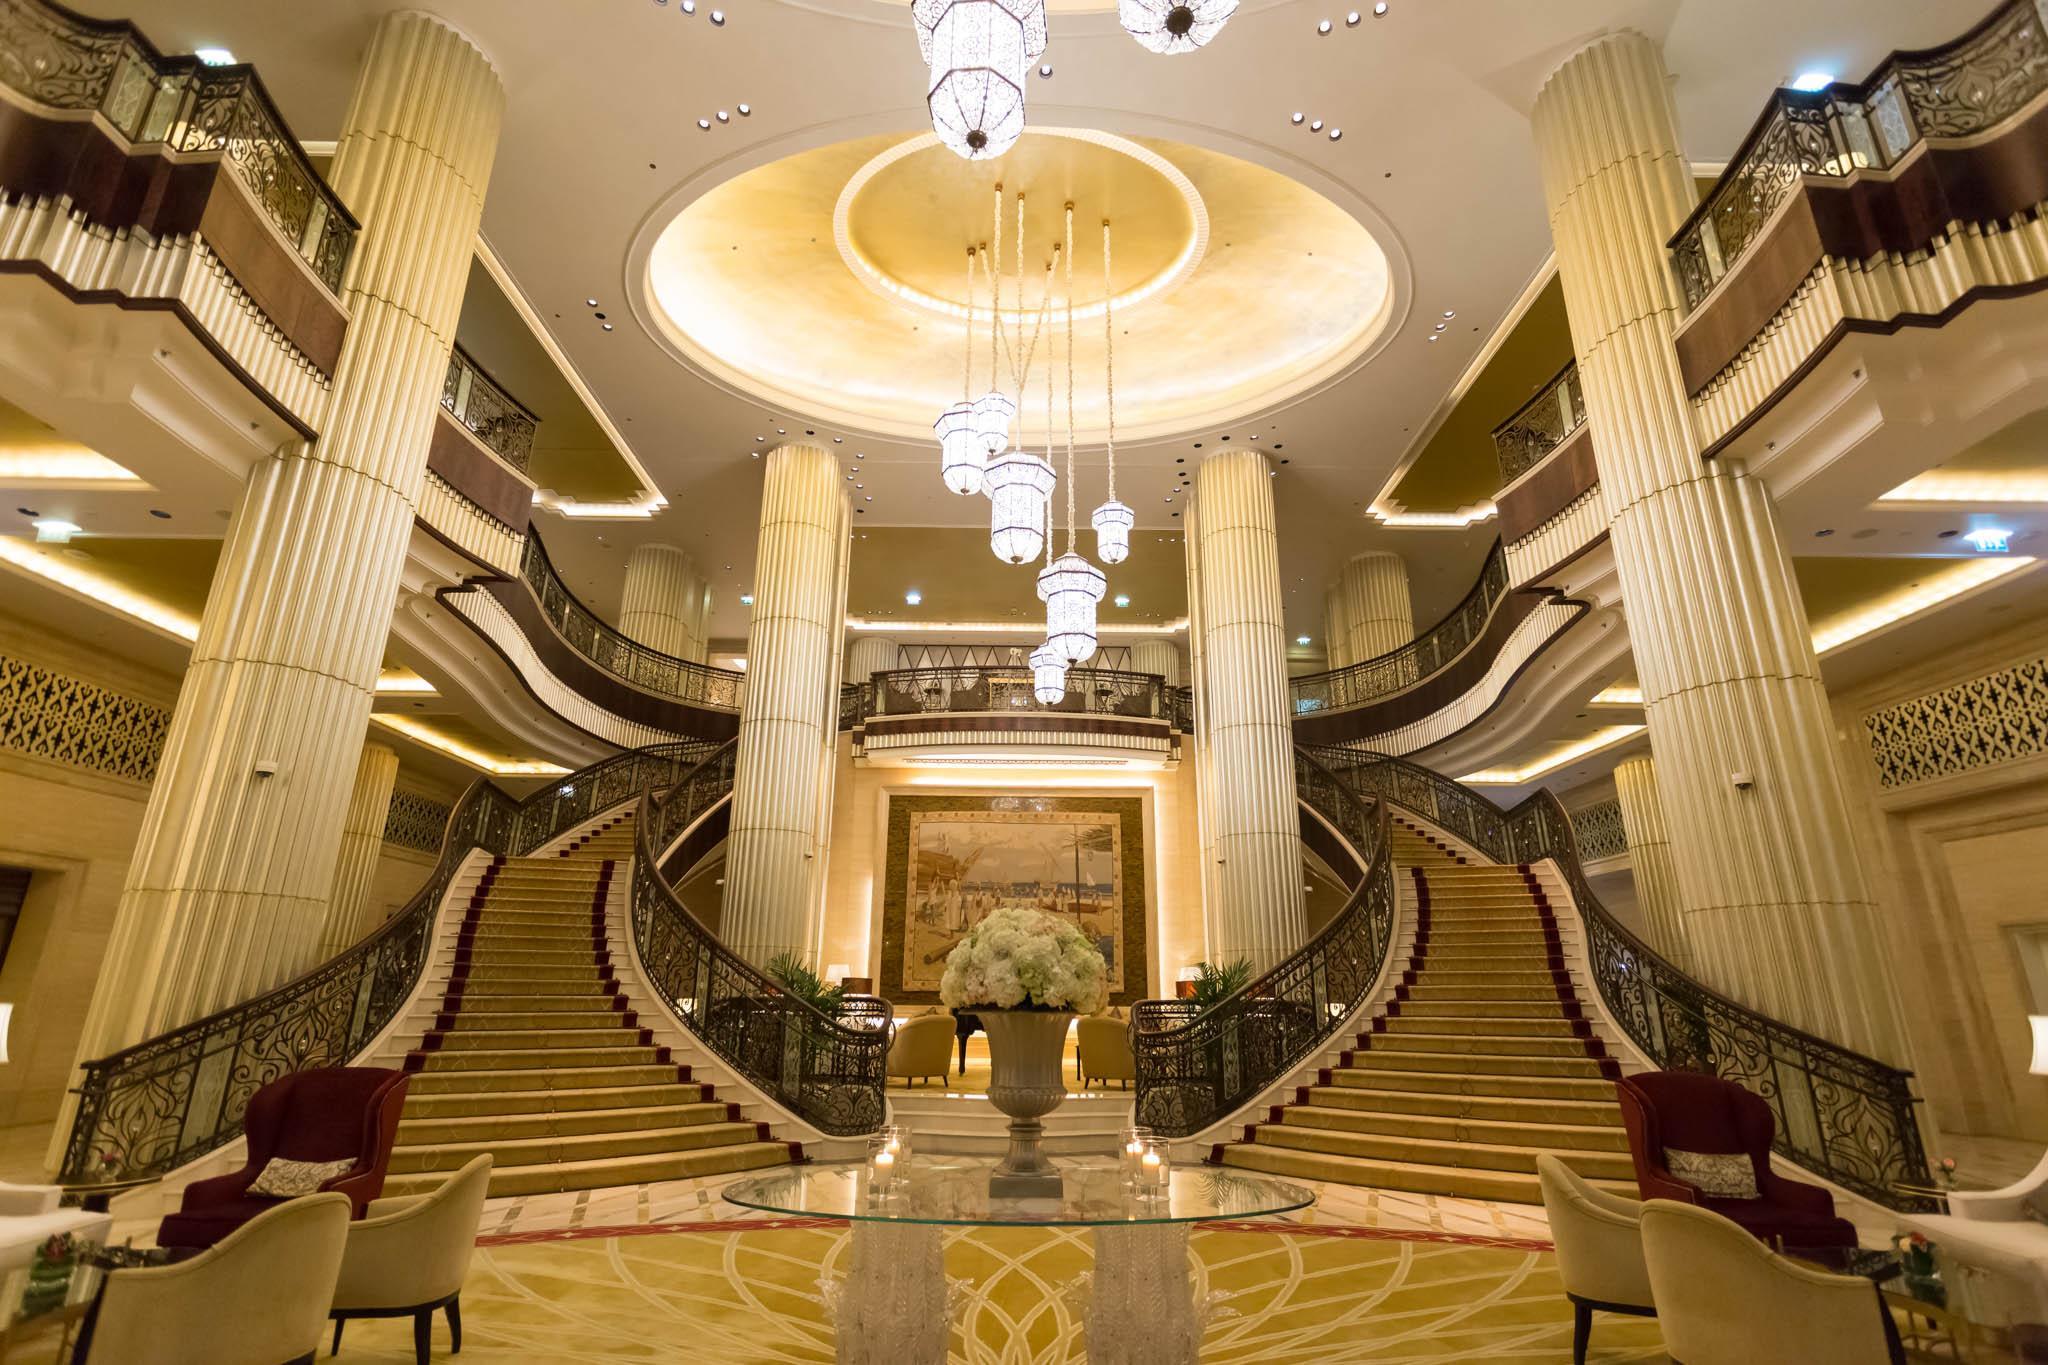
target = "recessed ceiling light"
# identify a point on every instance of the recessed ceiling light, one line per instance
(591, 303)
(838, 440)
(1813, 80)
(1352, 18)
(705, 124)
(913, 597)
(607, 326)
(869, 498)
(782, 431)
(1045, 71)
(1440, 326)
(724, 117)
(1316, 127)
(1336, 133)
(1431, 337)
(1379, 9)
(745, 110)
(1298, 116)
(718, 16)
(689, 6)
(214, 56)
(1323, 27)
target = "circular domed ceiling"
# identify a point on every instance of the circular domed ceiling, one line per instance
(834, 282)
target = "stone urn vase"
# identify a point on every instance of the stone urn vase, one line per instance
(1027, 1081)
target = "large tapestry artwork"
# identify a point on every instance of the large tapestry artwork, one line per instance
(953, 861)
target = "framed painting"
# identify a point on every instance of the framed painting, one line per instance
(954, 860)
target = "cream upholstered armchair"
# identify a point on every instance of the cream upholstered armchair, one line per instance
(409, 1255)
(1724, 1298)
(1599, 1249)
(1102, 1050)
(256, 1297)
(923, 1048)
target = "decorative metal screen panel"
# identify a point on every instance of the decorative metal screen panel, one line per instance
(415, 821)
(1997, 718)
(54, 716)
(1598, 830)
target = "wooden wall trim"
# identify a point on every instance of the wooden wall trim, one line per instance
(473, 471)
(1068, 722)
(1549, 488)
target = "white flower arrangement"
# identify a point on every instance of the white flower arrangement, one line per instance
(1024, 959)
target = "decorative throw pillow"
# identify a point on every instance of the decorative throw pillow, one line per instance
(283, 1178)
(1724, 1175)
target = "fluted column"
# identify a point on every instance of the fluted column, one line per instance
(1258, 911)
(1379, 616)
(233, 869)
(1337, 627)
(1205, 772)
(362, 844)
(1159, 658)
(790, 716)
(1649, 852)
(665, 601)
(869, 655)
(1777, 910)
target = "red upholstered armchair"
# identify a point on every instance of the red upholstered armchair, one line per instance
(1696, 1113)
(330, 1113)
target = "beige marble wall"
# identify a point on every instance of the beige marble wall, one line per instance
(860, 818)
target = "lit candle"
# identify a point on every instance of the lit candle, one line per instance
(1150, 1161)
(885, 1161)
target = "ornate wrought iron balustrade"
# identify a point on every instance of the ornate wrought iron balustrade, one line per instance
(149, 1109)
(1400, 669)
(1541, 425)
(969, 689)
(1956, 90)
(1844, 1116)
(492, 415)
(1196, 1069)
(663, 674)
(62, 60)
(830, 1072)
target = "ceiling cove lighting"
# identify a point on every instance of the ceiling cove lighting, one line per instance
(1963, 577)
(1940, 485)
(1171, 27)
(1618, 694)
(456, 749)
(1555, 759)
(97, 590)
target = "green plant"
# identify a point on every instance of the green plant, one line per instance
(790, 973)
(1216, 982)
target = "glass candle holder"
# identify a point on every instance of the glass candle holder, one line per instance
(1155, 1171)
(1130, 1148)
(894, 1137)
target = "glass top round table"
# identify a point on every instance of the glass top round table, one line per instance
(957, 1190)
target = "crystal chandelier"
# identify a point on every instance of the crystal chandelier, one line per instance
(1048, 676)
(961, 453)
(1174, 26)
(1113, 520)
(977, 52)
(1018, 485)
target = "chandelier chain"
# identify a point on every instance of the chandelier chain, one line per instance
(1070, 378)
(995, 306)
(1109, 352)
(967, 351)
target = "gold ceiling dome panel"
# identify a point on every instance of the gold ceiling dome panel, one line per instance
(832, 282)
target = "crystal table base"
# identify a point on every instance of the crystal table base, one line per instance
(892, 1308)
(1143, 1310)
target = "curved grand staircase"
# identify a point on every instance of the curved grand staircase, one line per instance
(1482, 1060)
(537, 1056)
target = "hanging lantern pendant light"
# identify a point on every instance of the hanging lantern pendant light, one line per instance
(1018, 485)
(1174, 26)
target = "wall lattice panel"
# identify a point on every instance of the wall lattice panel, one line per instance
(416, 821)
(1599, 831)
(1993, 719)
(54, 716)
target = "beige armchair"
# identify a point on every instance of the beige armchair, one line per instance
(408, 1256)
(923, 1048)
(1599, 1249)
(256, 1297)
(1102, 1050)
(1999, 1232)
(1724, 1298)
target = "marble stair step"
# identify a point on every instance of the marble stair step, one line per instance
(441, 1082)
(523, 1059)
(1554, 1026)
(551, 1177)
(611, 1035)
(451, 1156)
(541, 979)
(1455, 1007)
(663, 1089)
(1451, 1105)
(1487, 1156)
(582, 986)
(426, 1132)
(471, 1020)
(1483, 976)
(1479, 1044)
(1509, 1187)
(1378, 1060)
(1493, 1085)
(1435, 1128)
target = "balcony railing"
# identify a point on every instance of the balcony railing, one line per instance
(1844, 1116)
(936, 691)
(829, 1071)
(148, 1109)
(1400, 669)
(492, 415)
(1953, 91)
(650, 669)
(1195, 1069)
(61, 60)
(1543, 424)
